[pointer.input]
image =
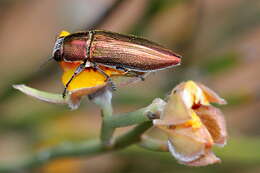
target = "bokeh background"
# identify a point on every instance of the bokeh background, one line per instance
(218, 39)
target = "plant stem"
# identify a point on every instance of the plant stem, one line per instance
(142, 115)
(106, 130)
(132, 136)
(148, 113)
(128, 119)
(88, 148)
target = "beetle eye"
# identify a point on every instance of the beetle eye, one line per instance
(57, 55)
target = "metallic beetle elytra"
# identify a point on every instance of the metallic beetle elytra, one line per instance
(122, 52)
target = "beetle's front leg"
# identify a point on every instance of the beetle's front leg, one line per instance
(79, 69)
(108, 78)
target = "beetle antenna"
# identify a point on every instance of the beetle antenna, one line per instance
(45, 62)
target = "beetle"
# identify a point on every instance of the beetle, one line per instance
(128, 53)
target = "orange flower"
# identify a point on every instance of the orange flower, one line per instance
(88, 78)
(87, 82)
(193, 125)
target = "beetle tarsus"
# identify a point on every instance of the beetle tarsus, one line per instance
(108, 79)
(64, 92)
(134, 74)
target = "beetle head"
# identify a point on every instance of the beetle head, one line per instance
(57, 50)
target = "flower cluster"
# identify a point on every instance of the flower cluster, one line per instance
(192, 125)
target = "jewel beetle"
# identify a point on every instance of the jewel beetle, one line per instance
(128, 53)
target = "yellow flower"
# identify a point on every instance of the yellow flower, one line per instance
(193, 125)
(89, 81)
(88, 78)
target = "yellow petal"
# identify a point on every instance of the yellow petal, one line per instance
(64, 33)
(88, 78)
(195, 122)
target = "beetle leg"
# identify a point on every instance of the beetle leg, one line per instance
(135, 74)
(79, 69)
(108, 78)
(141, 77)
(122, 69)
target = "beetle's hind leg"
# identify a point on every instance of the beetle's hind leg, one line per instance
(79, 69)
(108, 78)
(131, 73)
(139, 75)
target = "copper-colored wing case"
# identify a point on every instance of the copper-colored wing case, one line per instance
(130, 52)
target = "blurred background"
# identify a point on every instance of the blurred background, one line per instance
(218, 39)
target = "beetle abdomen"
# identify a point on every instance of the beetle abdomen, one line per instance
(75, 46)
(131, 52)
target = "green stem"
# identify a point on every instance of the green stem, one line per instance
(106, 130)
(110, 122)
(68, 150)
(128, 119)
(148, 113)
(132, 136)
(81, 149)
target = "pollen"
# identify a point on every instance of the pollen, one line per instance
(64, 33)
(195, 122)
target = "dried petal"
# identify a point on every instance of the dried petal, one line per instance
(207, 159)
(192, 124)
(214, 121)
(72, 99)
(211, 95)
(181, 102)
(41, 95)
(188, 144)
(76, 95)
(175, 111)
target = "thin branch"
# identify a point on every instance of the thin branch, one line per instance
(88, 148)
(132, 136)
(148, 113)
(106, 130)
(110, 123)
